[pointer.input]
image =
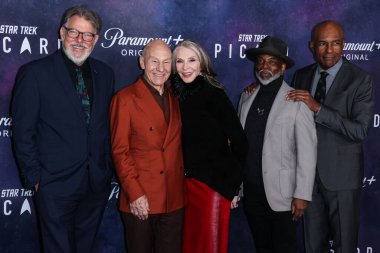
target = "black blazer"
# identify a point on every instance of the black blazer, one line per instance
(52, 142)
(342, 124)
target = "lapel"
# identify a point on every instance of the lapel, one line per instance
(309, 77)
(63, 78)
(339, 81)
(247, 100)
(173, 122)
(152, 112)
(95, 89)
(277, 107)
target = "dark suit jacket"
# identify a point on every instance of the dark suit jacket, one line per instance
(52, 142)
(342, 124)
(146, 150)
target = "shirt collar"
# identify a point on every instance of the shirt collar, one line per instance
(333, 70)
(72, 66)
(151, 88)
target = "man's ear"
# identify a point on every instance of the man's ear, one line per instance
(62, 33)
(141, 61)
(96, 38)
(311, 46)
(283, 67)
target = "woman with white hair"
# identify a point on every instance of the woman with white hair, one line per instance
(214, 146)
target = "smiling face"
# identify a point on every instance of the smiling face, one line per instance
(187, 64)
(76, 49)
(156, 63)
(327, 44)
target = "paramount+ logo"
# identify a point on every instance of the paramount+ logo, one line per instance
(5, 127)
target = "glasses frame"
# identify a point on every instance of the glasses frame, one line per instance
(85, 35)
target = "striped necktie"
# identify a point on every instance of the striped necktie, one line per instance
(320, 92)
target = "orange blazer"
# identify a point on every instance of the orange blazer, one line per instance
(147, 152)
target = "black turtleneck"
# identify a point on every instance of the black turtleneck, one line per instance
(214, 143)
(255, 129)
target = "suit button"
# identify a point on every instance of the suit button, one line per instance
(151, 129)
(163, 150)
(161, 172)
(89, 132)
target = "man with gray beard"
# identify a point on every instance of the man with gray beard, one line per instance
(61, 135)
(280, 167)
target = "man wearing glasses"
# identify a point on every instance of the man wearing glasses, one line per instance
(61, 135)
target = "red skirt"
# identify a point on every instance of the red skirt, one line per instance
(207, 217)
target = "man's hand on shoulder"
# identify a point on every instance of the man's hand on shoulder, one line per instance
(140, 207)
(250, 89)
(305, 97)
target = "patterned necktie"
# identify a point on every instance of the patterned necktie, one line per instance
(320, 92)
(83, 94)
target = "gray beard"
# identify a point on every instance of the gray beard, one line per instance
(269, 80)
(77, 61)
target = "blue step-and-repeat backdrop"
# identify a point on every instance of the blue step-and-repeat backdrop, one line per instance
(29, 30)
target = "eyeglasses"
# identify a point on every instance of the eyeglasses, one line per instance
(73, 33)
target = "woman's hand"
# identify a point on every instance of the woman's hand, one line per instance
(235, 202)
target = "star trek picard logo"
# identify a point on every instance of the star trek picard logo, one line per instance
(10, 199)
(237, 50)
(22, 39)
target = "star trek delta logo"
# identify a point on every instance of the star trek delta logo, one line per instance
(25, 207)
(25, 46)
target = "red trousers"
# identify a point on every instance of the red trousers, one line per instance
(207, 217)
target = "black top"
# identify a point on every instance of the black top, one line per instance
(214, 141)
(255, 125)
